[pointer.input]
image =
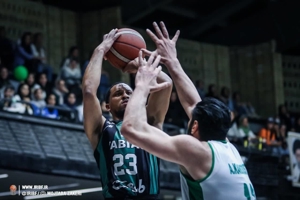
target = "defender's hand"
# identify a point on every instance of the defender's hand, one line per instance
(166, 47)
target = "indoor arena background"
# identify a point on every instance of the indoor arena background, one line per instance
(243, 52)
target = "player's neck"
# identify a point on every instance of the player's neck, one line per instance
(115, 118)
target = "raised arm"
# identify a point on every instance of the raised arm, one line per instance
(166, 47)
(138, 132)
(93, 119)
(158, 102)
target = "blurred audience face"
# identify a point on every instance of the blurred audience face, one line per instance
(30, 79)
(43, 79)
(9, 93)
(24, 90)
(71, 99)
(73, 64)
(51, 101)
(173, 96)
(75, 53)
(245, 122)
(38, 94)
(61, 86)
(283, 128)
(200, 84)
(4, 73)
(270, 125)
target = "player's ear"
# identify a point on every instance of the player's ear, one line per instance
(194, 127)
(107, 107)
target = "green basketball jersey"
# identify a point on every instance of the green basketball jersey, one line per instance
(125, 169)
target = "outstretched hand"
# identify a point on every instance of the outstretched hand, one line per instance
(148, 72)
(108, 41)
(165, 46)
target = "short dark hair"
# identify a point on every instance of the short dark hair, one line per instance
(109, 90)
(296, 146)
(213, 118)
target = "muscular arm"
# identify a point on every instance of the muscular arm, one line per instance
(138, 132)
(158, 102)
(185, 88)
(93, 119)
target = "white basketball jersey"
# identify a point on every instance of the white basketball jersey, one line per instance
(227, 179)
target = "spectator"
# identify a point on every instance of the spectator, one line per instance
(285, 117)
(24, 55)
(44, 84)
(267, 133)
(212, 91)
(39, 52)
(73, 55)
(71, 74)
(70, 101)
(38, 99)
(30, 81)
(6, 50)
(9, 92)
(200, 88)
(4, 80)
(244, 129)
(21, 101)
(60, 91)
(239, 107)
(281, 137)
(225, 98)
(233, 132)
(49, 111)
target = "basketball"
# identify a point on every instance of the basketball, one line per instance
(126, 48)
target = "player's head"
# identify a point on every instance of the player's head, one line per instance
(296, 151)
(117, 98)
(211, 120)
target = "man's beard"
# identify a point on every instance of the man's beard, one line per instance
(120, 113)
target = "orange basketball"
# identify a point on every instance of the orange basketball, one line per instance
(126, 48)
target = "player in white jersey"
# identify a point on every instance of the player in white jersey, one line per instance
(210, 166)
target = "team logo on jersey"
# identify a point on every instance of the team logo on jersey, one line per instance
(117, 185)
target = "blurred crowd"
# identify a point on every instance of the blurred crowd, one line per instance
(58, 96)
(43, 93)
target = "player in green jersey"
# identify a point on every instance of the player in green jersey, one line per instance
(127, 171)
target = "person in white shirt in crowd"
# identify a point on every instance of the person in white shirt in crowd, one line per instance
(71, 73)
(38, 99)
(18, 105)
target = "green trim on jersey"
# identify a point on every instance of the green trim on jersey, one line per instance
(212, 165)
(103, 170)
(195, 189)
(153, 175)
(223, 141)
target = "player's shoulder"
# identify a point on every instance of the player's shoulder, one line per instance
(108, 124)
(191, 143)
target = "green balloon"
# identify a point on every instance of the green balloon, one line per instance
(20, 73)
